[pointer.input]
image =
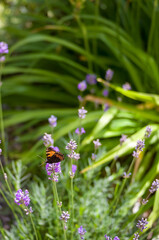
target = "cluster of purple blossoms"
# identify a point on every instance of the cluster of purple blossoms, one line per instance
(91, 79)
(142, 224)
(109, 238)
(144, 201)
(71, 146)
(53, 170)
(139, 148)
(148, 132)
(64, 216)
(52, 121)
(3, 50)
(82, 86)
(24, 199)
(136, 236)
(47, 140)
(109, 74)
(126, 86)
(80, 131)
(82, 113)
(81, 232)
(154, 187)
(97, 144)
(140, 145)
(123, 139)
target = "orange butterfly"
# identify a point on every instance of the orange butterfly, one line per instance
(53, 156)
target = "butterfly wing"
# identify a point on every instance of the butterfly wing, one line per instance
(53, 156)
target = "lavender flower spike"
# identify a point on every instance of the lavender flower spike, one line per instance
(91, 79)
(126, 86)
(3, 48)
(155, 186)
(47, 140)
(22, 197)
(148, 132)
(109, 74)
(123, 139)
(72, 145)
(82, 113)
(81, 232)
(53, 121)
(53, 170)
(107, 237)
(82, 86)
(140, 145)
(65, 216)
(136, 236)
(116, 238)
(142, 224)
(97, 144)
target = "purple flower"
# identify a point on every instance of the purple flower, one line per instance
(126, 86)
(105, 92)
(80, 131)
(144, 201)
(47, 140)
(82, 86)
(56, 149)
(142, 224)
(155, 186)
(126, 175)
(65, 216)
(148, 132)
(80, 99)
(97, 144)
(72, 173)
(81, 232)
(22, 197)
(135, 154)
(93, 156)
(74, 155)
(30, 210)
(2, 58)
(136, 236)
(106, 107)
(82, 113)
(109, 74)
(91, 79)
(74, 168)
(3, 47)
(116, 238)
(140, 145)
(53, 121)
(123, 139)
(72, 145)
(107, 237)
(53, 169)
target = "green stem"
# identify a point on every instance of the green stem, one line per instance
(33, 226)
(117, 198)
(1, 118)
(57, 200)
(72, 204)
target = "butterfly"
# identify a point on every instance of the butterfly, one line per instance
(53, 156)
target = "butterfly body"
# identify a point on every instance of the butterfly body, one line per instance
(53, 156)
